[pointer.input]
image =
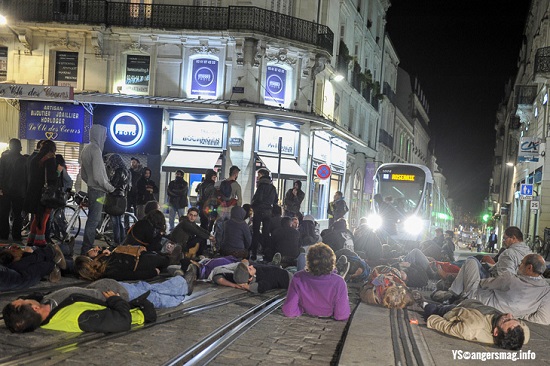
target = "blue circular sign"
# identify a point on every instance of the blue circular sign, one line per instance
(126, 129)
(275, 84)
(204, 76)
(323, 171)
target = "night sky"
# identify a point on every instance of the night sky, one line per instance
(463, 54)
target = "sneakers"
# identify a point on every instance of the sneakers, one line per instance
(55, 275)
(190, 277)
(276, 259)
(59, 258)
(175, 256)
(342, 265)
(441, 296)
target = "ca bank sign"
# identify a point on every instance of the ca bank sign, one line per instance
(126, 129)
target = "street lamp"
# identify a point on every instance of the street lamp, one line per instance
(3, 20)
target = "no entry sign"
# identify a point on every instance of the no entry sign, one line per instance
(323, 171)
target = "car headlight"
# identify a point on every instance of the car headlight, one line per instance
(413, 225)
(374, 221)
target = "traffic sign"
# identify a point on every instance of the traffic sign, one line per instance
(535, 205)
(323, 171)
(526, 190)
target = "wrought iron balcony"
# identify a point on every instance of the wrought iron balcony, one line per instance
(161, 16)
(525, 96)
(388, 91)
(542, 64)
(385, 138)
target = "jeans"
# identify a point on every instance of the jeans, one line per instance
(418, 258)
(119, 233)
(172, 215)
(165, 294)
(95, 198)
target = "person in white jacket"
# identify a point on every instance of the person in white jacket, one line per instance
(94, 174)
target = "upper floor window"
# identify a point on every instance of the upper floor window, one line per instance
(282, 6)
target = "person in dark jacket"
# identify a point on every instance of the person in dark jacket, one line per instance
(208, 202)
(121, 266)
(189, 235)
(148, 231)
(146, 189)
(120, 178)
(43, 168)
(263, 201)
(259, 278)
(337, 235)
(275, 221)
(293, 199)
(309, 231)
(13, 188)
(236, 237)
(366, 243)
(337, 208)
(286, 241)
(28, 270)
(178, 190)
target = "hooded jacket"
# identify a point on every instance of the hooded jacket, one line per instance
(236, 233)
(293, 202)
(265, 196)
(93, 170)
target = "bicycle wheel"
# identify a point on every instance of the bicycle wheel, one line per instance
(60, 223)
(129, 220)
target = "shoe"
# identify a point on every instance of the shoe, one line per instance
(178, 272)
(441, 296)
(190, 277)
(59, 258)
(175, 256)
(276, 259)
(55, 275)
(342, 265)
(442, 285)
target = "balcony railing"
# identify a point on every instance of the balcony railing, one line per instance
(525, 94)
(161, 16)
(542, 62)
(388, 91)
(385, 138)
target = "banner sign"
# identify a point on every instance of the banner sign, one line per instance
(26, 91)
(66, 68)
(268, 140)
(3, 63)
(203, 134)
(204, 80)
(137, 74)
(275, 85)
(529, 149)
(54, 121)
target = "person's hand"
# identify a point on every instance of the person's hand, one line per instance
(59, 168)
(110, 293)
(212, 239)
(244, 286)
(150, 190)
(158, 271)
(295, 191)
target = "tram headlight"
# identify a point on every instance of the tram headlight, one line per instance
(374, 221)
(413, 225)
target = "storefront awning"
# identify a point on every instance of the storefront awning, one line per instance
(191, 161)
(289, 167)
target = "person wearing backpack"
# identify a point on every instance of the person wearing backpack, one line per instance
(263, 201)
(229, 194)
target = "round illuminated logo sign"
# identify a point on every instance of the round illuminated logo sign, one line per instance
(204, 76)
(126, 129)
(274, 84)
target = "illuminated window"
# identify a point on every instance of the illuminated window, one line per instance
(140, 8)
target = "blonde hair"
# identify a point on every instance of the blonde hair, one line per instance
(89, 269)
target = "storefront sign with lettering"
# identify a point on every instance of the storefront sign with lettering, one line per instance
(204, 77)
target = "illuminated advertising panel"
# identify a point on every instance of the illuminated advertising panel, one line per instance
(204, 77)
(137, 74)
(275, 85)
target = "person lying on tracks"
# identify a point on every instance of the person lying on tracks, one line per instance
(526, 294)
(102, 306)
(318, 290)
(386, 286)
(257, 278)
(473, 321)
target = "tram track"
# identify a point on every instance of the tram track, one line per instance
(62, 349)
(409, 346)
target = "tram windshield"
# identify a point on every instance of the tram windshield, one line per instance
(401, 186)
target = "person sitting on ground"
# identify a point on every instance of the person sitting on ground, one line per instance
(516, 249)
(122, 266)
(275, 220)
(106, 301)
(473, 321)
(318, 290)
(236, 237)
(21, 268)
(191, 237)
(526, 294)
(366, 243)
(358, 270)
(286, 241)
(309, 231)
(256, 278)
(148, 231)
(338, 236)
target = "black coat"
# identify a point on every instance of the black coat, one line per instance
(40, 168)
(265, 196)
(121, 266)
(143, 194)
(286, 240)
(143, 233)
(178, 190)
(121, 181)
(13, 174)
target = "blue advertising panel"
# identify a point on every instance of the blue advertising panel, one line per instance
(275, 85)
(204, 78)
(130, 130)
(54, 121)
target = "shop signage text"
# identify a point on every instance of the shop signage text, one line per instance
(137, 74)
(268, 140)
(204, 134)
(26, 91)
(204, 80)
(235, 141)
(126, 129)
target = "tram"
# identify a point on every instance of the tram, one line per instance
(407, 195)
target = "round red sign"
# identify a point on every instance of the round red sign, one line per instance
(323, 171)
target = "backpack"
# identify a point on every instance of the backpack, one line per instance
(223, 193)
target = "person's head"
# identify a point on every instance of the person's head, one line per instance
(295, 223)
(449, 234)
(192, 214)
(340, 225)
(48, 146)
(378, 198)
(147, 173)
(39, 144)
(297, 184)
(396, 297)
(179, 174)
(89, 269)
(511, 236)
(157, 219)
(234, 172)
(60, 160)
(6, 257)
(338, 195)
(439, 232)
(210, 175)
(276, 210)
(134, 163)
(15, 145)
(532, 265)
(286, 221)
(508, 332)
(320, 259)
(263, 173)
(244, 273)
(93, 252)
(115, 162)
(237, 213)
(151, 206)
(24, 315)
(249, 212)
